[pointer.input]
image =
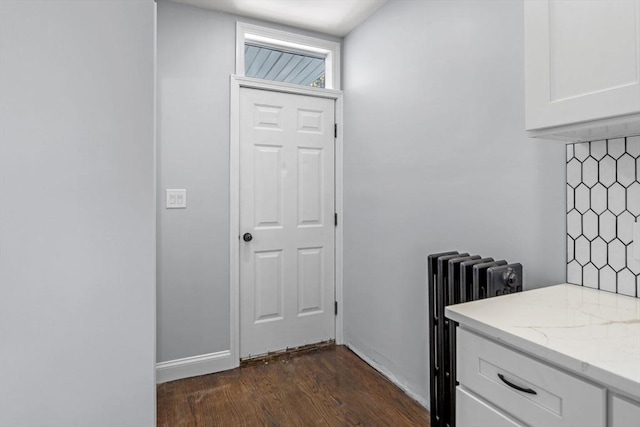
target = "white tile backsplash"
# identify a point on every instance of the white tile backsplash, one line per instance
(598, 149)
(574, 173)
(603, 202)
(616, 147)
(625, 227)
(633, 146)
(590, 172)
(633, 197)
(616, 255)
(581, 152)
(625, 170)
(598, 199)
(574, 225)
(607, 279)
(607, 226)
(590, 276)
(616, 195)
(598, 252)
(582, 250)
(626, 282)
(590, 225)
(607, 170)
(582, 198)
(574, 273)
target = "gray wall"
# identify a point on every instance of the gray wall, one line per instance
(436, 159)
(196, 56)
(77, 245)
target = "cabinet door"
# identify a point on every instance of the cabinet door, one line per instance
(624, 413)
(581, 61)
(473, 412)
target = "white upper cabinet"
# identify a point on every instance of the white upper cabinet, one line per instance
(582, 66)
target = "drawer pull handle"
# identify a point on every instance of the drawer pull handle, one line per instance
(512, 385)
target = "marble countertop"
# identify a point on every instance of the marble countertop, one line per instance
(593, 333)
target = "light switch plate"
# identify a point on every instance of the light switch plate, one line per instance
(176, 199)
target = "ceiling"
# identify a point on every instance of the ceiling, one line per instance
(335, 17)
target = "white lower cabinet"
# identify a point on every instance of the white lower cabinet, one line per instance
(560, 356)
(473, 412)
(522, 388)
(623, 412)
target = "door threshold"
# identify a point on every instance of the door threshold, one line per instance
(288, 352)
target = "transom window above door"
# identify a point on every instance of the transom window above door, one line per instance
(280, 56)
(276, 64)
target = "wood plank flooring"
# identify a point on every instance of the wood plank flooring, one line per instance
(326, 387)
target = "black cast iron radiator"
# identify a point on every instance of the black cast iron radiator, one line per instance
(455, 278)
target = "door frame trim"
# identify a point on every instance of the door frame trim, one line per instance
(237, 82)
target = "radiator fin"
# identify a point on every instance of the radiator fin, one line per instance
(453, 278)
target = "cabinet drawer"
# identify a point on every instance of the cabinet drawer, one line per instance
(528, 390)
(473, 412)
(624, 413)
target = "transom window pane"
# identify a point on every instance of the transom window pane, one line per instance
(280, 65)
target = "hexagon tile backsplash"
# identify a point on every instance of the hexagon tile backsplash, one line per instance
(603, 202)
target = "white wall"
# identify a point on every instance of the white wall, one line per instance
(196, 57)
(77, 245)
(436, 159)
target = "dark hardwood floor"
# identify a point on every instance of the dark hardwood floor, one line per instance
(326, 387)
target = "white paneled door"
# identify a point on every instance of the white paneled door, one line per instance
(286, 221)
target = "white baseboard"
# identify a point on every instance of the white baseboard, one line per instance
(193, 366)
(421, 400)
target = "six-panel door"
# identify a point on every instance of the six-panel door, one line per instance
(287, 205)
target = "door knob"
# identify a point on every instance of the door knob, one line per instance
(247, 237)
